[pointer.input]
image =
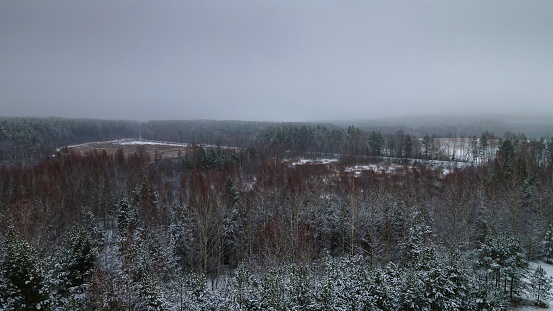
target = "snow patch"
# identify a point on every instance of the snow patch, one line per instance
(317, 161)
(126, 142)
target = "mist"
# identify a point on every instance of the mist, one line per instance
(274, 60)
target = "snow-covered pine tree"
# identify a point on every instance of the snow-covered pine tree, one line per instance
(77, 257)
(504, 260)
(21, 276)
(127, 219)
(417, 249)
(355, 286)
(301, 286)
(149, 297)
(232, 227)
(273, 291)
(541, 285)
(379, 290)
(515, 264)
(446, 284)
(548, 245)
(327, 288)
(75, 261)
(245, 288)
(411, 294)
(195, 292)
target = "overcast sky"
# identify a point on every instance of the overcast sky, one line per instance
(274, 60)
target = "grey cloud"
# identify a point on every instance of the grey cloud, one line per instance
(274, 60)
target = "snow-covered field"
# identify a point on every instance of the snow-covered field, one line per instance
(157, 149)
(317, 161)
(126, 142)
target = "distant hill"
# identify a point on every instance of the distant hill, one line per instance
(460, 125)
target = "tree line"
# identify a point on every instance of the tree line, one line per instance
(28, 140)
(241, 229)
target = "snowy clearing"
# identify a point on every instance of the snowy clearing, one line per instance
(315, 161)
(549, 270)
(156, 149)
(126, 142)
(389, 165)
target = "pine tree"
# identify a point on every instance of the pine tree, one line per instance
(376, 142)
(195, 291)
(515, 264)
(74, 264)
(273, 291)
(417, 248)
(503, 256)
(541, 285)
(21, 276)
(300, 289)
(245, 286)
(548, 245)
(77, 257)
(149, 296)
(127, 219)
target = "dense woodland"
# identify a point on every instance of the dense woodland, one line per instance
(243, 229)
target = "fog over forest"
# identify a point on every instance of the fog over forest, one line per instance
(276, 155)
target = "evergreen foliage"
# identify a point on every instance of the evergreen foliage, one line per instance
(504, 260)
(74, 263)
(548, 245)
(21, 276)
(541, 285)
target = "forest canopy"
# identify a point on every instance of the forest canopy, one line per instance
(256, 216)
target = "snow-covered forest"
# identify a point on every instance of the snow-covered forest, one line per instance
(459, 223)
